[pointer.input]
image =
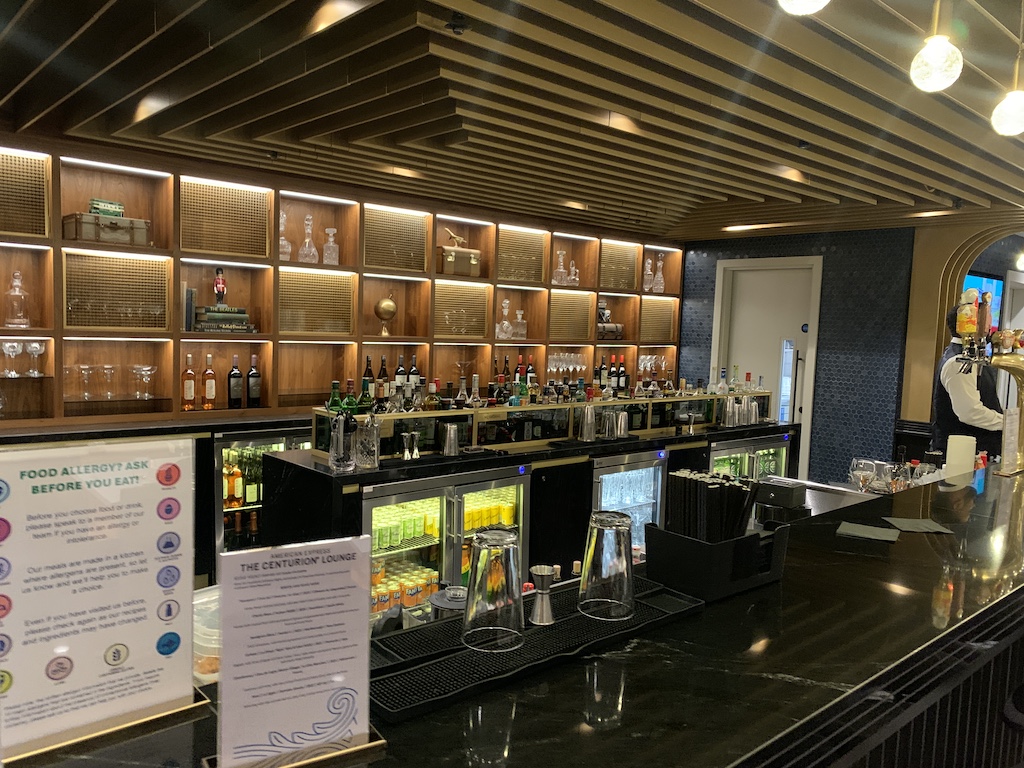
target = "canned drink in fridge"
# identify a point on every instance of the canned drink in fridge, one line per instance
(383, 598)
(433, 580)
(377, 571)
(373, 600)
(408, 527)
(396, 533)
(382, 533)
(396, 593)
(418, 527)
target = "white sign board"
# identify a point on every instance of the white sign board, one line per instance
(294, 667)
(96, 562)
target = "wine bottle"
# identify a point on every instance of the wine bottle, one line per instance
(623, 376)
(365, 402)
(474, 399)
(414, 374)
(382, 374)
(613, 376)
(531, 373)
(209, 396)
(380, 403)
(368, 371)
(400, 373)
(236, 382)
(349, 404)
(496, 371)
(188, 386)
(334, 402)
(463, 397)
(433, 400)
(506, 372)
(519, 371)
(253, 385)
(252, 538)
(602, 373)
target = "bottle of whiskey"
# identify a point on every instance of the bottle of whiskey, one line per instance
(209, 396)
(236, 382)
(253, 385)
(380, 403)
(188, 386)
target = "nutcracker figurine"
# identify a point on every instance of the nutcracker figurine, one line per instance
(220, 286)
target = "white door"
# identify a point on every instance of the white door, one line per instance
(766, 322)
(1011, 315)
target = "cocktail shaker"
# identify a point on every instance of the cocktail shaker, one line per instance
(588, 425)
(451, 440)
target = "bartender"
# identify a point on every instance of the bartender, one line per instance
(965, 403)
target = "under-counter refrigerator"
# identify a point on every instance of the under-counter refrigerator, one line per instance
(752, 458)
(634, 484)
(422, 530)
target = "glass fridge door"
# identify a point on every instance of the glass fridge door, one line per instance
(636, 491)
(483, 505)
(735, 462)
(406, 556)
(239, 495)
(770, 461)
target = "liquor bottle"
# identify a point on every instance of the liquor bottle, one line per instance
(253, 385)
(760, 383)
(433, 400)
(734, 382)
(531, 373)
(505, 371)
(382, 374)
(251, 463)
(188, 386)
(349, 404)
(237, 535)
(602, 374)
(623, 376)
(365, 402)
(230, 540)
(523, 392)
(535, 391)
(474, 398)
(236, 382)
(209, 396)
(519, 372)
(380, 403)
(414, 374)
(252, 536)
(548, 395)
(723, 385)
(748, 386)
(500, 395)
(496, 371)
(400, 374)
(234, 487)
(613, 375)
(368, 370)
(581, 391)
(334, 402)
(463, 396)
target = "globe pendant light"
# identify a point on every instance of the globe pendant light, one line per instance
(802, 7)
(1008, 116)
(938, 65)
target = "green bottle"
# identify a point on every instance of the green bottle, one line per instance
(349, 404)
(334, 402)
(365, 401)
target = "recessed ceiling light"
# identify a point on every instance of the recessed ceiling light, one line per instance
(331, 12)
(576, 205)
(623, 123)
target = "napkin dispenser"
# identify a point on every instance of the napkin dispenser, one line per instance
(460, 261)
(777, 492)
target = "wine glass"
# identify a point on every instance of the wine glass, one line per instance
(34, 349)
(87, 372)
(109, 372)
(11, 350)
(862, 473)
(143, 374)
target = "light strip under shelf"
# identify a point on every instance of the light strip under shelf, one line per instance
(23, 153)
(666, 248)
(529, 230)
(113, 167)
(243, 339)
(310, 271)
(391, 209)
(406, 278)
(25, 338)
(318, 198)
(443, 217)
(575, 237)
(240, 264)
(620, 295)
(114, 338)
(325, 342)
(461, 344)
(520, 287)
(117, 254)
(621, 242)
(225, 184)
(30, 246)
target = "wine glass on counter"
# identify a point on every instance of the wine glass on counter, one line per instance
(862, 473)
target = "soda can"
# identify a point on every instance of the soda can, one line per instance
(418, 526)
(383, 598)
(377, 571)
(396, 593)
(396, 533)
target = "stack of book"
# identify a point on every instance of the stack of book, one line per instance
(222, 319)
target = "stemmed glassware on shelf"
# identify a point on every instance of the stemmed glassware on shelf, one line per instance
(11, 350)
(143, 376)
(862, 473)
(34, 349)
(87, 372)
(109, 374)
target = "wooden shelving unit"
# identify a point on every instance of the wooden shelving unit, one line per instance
(112, 318)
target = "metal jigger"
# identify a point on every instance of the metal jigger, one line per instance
(542, 577)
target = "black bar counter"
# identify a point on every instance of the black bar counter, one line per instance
(842, 662)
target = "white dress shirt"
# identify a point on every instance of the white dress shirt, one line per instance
(964, 395)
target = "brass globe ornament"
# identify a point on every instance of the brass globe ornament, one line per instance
(385, 310)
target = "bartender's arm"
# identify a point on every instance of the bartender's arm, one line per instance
(965, 399)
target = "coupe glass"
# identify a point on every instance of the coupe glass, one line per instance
(34, 349)
(109, 375)
(862, 473)
(11, 350)
(143, 376)
(87, 372)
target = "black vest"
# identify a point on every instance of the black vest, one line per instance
(946, 423)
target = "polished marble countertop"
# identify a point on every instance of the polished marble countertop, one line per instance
(705, 690)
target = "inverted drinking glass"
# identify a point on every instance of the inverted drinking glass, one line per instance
(606, 585)
(493, 620)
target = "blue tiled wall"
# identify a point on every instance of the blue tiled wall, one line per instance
(865, 290)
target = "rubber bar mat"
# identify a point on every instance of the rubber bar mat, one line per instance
(438, 638)
(406, 693)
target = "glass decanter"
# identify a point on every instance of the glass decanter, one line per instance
(16, 302)
(560, 276)
(519, 325)
(284, 248)
(648, 275)
(308, 253)
(659, 277)
(504, 330)
(330, 247)
(574, 274)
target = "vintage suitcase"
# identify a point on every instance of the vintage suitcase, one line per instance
(460, 261)
(117, 230)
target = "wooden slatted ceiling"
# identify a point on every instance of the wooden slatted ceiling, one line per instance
(672, 120)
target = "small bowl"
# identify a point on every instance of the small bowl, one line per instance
(456, 593)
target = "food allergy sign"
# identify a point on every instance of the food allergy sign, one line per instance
(94, 539)
(294, 667)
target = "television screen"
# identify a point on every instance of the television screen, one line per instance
(987, 283)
